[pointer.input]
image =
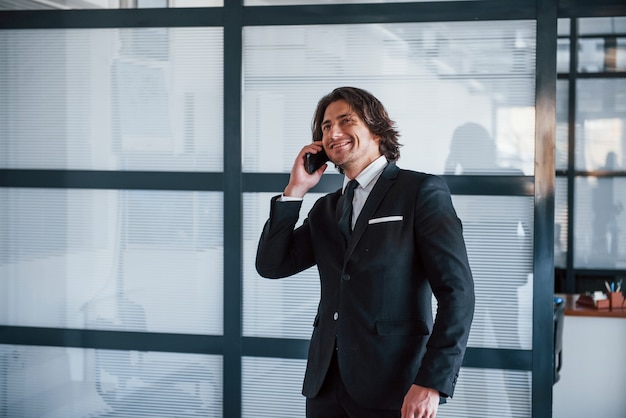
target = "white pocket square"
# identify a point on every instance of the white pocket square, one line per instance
(385, 219)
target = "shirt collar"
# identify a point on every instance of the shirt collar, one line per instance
(370, 174)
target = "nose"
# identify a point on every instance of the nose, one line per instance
(334, 131)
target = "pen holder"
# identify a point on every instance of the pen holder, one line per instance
(617, 300)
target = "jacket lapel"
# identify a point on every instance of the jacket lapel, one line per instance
(384, 182)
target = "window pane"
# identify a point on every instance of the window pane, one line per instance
(72, 382)
(498, 232)
(432, 77)
(275, 308)
(602, 54)
(591, 55)
(603, 46)
(112, 99)
(107, 259)
(600, 223)
(602, 25)
(490, 393)
(563, 27)
(562, 55)
(601, 116)
(620, 55)
(560, 222)
(272, 388)
(562, 125)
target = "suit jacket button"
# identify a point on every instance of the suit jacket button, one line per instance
(345, 276)
(335, 316)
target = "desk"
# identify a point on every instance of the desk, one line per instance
(572, 309)
(594, 360)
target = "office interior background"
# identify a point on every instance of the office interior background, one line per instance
(141, 141)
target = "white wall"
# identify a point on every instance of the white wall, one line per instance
(593, 377)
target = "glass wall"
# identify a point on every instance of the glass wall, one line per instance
(124, 100)
(131, 260)
(462, 95)
(592, 102)
(139, 150)
(59, 382)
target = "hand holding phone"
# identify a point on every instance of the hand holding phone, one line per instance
(312, 162)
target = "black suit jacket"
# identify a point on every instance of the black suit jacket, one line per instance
(376, 289)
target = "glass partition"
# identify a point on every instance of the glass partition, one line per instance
(600, 223)
(499, 236)
(73, 382)
(112, 99)
(462, 93)
(271, 389)
(135, 260)
(275, 308)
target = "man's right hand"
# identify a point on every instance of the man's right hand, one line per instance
(300, 182)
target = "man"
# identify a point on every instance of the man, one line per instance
(375, 351)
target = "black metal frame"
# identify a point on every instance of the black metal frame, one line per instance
(233, 16)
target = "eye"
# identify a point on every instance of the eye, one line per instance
(325, 127)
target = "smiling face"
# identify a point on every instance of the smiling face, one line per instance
(348, 142)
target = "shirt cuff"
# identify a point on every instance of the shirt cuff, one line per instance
(284, 198)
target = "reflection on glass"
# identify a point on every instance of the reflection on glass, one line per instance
(432, 77)
(129, 260)
(601, 116)
(600, 240)
(86, 383)
(473, 151)
(606, 209)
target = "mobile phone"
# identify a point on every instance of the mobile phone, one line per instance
(312, 162)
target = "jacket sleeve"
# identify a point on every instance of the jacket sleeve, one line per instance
(284, 251)
(444, 255)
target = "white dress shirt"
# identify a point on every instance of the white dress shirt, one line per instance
(366, 178)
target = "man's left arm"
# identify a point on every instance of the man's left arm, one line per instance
(444, 255)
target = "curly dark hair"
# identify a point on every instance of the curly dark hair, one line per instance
(372, 113)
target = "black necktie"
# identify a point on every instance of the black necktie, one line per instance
(345, 222)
